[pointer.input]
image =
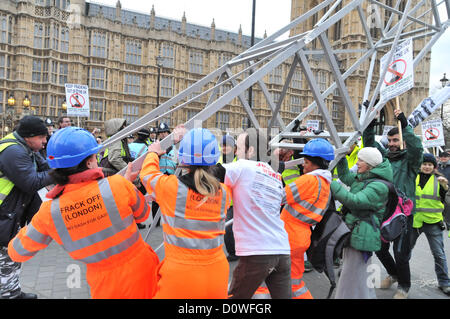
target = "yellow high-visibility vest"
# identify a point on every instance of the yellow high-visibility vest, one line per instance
(289, 175)
(5, 184)
(351, 160)
(428, 203)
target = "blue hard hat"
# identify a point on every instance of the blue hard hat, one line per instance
(319, 148)
(199, 147)
(69, 146)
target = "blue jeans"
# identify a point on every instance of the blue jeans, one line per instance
(436, 242)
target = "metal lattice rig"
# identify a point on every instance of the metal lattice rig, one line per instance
(235, 77)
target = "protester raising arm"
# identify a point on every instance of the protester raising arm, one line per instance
(193, 209)
(94, 219)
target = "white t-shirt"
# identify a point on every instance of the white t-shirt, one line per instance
(257, 194)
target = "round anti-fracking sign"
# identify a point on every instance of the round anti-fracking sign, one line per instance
(77, 98)
(432, 133)
(395, 72)
(399, 76)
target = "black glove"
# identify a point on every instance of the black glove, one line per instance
(372, 124)
(366, 103)
(298, 128)
(297, 124)
(403, 121)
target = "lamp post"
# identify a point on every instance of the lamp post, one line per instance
(11, 100)
(8, 116)
(26, 102)
(159, 64)
(26, 105)
(252, 42)
(444, 81)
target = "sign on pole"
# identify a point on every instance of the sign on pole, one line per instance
(77, 99)
(428, 106)
(433, 133)
(399, 77)
(312, 125)
(386, 129)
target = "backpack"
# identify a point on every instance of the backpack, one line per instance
(398, 208)
(103, 162)
(328, 238)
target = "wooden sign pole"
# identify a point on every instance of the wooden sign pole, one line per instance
(399, 124)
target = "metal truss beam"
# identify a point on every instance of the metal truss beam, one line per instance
(253, 65)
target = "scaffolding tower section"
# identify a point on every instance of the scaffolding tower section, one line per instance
(234, 78)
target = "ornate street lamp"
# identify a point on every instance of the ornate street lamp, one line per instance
(26, 102)
(11, 100)
(444, 81)
(64, 105)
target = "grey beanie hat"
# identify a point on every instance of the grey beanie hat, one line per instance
(371, 156)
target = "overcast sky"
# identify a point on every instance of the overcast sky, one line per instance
(270, 17)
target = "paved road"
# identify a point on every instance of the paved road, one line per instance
(52, 274)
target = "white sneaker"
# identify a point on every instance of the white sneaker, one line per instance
(445, 290)
(387, 282)
(401, 294)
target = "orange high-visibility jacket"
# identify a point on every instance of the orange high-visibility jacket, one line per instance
(95, 222)
(307, 199)
(195, 265)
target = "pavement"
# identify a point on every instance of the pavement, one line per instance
(52, 274)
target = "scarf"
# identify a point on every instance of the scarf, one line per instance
(85, 176)
(396, 155)
(423, 179)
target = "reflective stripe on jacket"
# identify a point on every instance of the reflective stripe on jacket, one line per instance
(428, 203)
(193, 224)
(5, 184)
(93, 221)
(290, 175)
(307, 198)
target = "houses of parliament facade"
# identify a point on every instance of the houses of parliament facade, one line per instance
(125, 56)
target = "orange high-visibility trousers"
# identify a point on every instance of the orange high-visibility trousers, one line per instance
(262, 292)
(193, 280)
(299, 239)
(135, 280)
(195, 266)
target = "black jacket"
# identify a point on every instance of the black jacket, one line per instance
(444, 169)
(29, 173)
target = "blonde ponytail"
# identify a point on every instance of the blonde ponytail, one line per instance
(205, 183)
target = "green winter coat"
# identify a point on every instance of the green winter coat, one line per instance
(407, 165)
(366, 202)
